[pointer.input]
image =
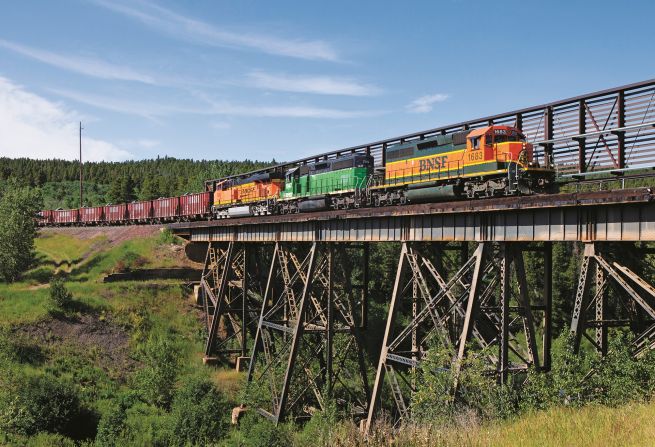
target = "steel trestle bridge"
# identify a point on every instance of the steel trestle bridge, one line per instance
(289, 293)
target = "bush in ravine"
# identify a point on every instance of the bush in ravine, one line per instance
(564, 384)
(155, 382)
(321, 428)
(60, 298)
(111, 426)
(39, 403)
(478, 394)
(256, 431)
(200, 413)
(619, 377)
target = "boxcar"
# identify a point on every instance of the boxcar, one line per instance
(140, 211)
(166, 209)
(116, 213)
(92, 215)
(195, 205)
(65, 217)
(45, 217)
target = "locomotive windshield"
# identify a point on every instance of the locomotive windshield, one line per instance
(504, 135)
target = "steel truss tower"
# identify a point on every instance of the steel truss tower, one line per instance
(231, 292)
(632, 304)
(485, 303)
(308, 346)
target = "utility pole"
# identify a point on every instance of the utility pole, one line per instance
(81, 177)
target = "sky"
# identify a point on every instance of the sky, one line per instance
(245, 79)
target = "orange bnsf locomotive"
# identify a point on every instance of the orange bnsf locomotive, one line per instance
(485, 162)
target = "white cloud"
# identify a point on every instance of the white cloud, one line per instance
(127, 107)
(172, 23)
(143, 143)
(155, 111)
(86, 66)
(220, 125)
(425, 103)
(32, 126)
(322, 85)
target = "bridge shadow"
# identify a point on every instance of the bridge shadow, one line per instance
(81, 272)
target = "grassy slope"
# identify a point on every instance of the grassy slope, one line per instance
(83, 262)
(136, 309)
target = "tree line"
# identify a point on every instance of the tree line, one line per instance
(115, 182)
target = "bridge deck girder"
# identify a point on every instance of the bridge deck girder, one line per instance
(621, 215)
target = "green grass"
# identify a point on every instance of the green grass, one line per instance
(20, 305)
(630, 425)
(83, 263)
(60, 248)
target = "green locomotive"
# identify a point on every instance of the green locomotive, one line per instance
(335, 183)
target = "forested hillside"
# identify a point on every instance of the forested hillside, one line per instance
(118, 182)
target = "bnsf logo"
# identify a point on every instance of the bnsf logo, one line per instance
(429, 164)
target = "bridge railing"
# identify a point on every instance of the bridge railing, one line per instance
(608, 129)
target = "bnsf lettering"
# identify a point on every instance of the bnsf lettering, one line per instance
(430, 164)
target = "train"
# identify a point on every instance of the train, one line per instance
(487, 162)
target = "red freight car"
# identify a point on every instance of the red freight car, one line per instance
(45, 217)
(65, 217)
(195, 205)
(93, 215)
(116, 213)
(166, 209)
(140, 211)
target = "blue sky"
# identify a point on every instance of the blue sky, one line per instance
(285, 79)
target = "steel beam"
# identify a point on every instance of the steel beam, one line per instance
(623, 215)
(548, 305)
(391, 315)
(297, 333)
(219, 300)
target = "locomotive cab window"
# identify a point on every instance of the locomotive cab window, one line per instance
(489, 139)
(475, 143)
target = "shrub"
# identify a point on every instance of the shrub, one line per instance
(111, 426)
(156, 381)
(40, 403)
(478, 394)
(60, 298)
(50, 440)
(146, 425)
(200, 413)
(619, 378)
(15, 348)
(257, 431)
(564, 384)
(129, 261)
(166, 237)
(321, 429)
